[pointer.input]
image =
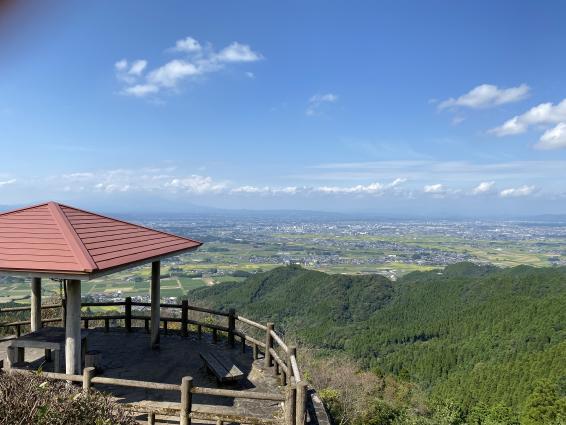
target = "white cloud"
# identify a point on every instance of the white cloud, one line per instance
(187, 45)
(372, 188)
(169, 74)
(434, 188)
(554, 138)
(141, 90)
(7, 182)
(237, 52)
(201, 61)
(317, 100)
(196, 184)
(516, 192)
(486, 96)
(137, 67)
(121, 65)
(483, 187)
(543, 114)
(107, 187)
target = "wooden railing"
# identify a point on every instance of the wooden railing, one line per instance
(278, 356)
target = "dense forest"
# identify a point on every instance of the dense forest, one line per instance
(486, 345)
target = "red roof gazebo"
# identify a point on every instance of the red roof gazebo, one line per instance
(56, 241)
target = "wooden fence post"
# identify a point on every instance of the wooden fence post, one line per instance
(151, 418)
(128, 313)
(184, 317)
(301, 403)
(290, 407)
(231, 326)
(88, 374)
(292, 353)
(268, 345)
(186, 400)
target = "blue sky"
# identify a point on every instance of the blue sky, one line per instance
(434, 107)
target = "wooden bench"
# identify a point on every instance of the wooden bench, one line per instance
(222, 367)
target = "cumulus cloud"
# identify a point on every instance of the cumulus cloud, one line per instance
(196, 61)
(129, 73)
(544, 114)
(172, 72)
(483, 187)
(516, 192)
(486, 96)
(237, 52)
(554, 138)
(316, 101)
(187, 45)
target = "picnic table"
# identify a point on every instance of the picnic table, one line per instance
(52, 340)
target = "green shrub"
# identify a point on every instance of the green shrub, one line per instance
(30, 399)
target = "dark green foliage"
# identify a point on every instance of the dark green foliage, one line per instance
(321, 309)
(478, 338)
(544, 406)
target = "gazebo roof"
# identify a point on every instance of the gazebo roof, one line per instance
(55, 240)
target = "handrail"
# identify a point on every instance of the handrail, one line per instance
(279, 341)
(284, 360)
(28, 308)
(251, 323)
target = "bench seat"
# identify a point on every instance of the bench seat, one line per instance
(222, 367)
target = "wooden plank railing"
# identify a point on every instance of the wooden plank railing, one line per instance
(278, 356)
(186, 389)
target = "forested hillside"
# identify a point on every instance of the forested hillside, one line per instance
(478, 336)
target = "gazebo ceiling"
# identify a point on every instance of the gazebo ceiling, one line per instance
(55, 240)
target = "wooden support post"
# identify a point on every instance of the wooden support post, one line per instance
(243, 344)
(165, 326)
(88, 374)
(283, 377)
(35, 304)
(275, 368)
(151, 418)
(64, 310)
(268, 345)
(254, 351)
(128, 314)
(186, 400)
(214, 336)
(184, 317)
(231, 326)
(146, 325)
(18, 331)
(21, 354)
(301, 407)
(199, 331)
(155, 301)
(290, 407)
(86, 323)
(73, 328)
(106, 325)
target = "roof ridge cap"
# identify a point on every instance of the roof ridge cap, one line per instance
(78, 249)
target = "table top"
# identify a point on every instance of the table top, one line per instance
(53, 338)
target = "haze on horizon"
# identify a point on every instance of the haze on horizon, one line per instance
(408, 108)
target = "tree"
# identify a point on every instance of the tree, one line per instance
(544, 406)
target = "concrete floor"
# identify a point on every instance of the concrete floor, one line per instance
(128, 356)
